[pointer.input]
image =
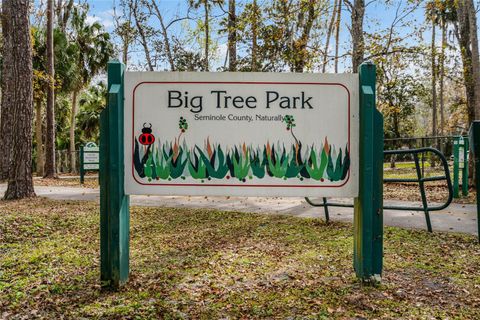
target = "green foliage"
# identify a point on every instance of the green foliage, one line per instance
(197, 167)
(277, 163)
(258, 161)
(94, 46)
(162, 166)
(217, 166)
(182, 124)
(316, 165)
(241, 164)
(91, 103)
(290, 121)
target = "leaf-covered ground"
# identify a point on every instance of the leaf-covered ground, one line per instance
(210, 264)
(67, 182)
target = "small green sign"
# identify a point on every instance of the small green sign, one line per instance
(89, 159)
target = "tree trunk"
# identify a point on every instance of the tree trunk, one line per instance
(50, 168)
(434, 90)
(462, 32)
(434, 81)
(166, 40)
(6, 124)
(73, 125)
(301, 44)
(358, 45)
(17, 69)
(337, 33)
(207, 35)
(6, 132)
(232, 36)
(472, 17)
(329, 34)
(143, 36)
(442, 77)
(39, 137)
(66, 15)
(463, 35)
(254, 37)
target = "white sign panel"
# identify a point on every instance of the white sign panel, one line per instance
(461, 153)
(243, 134)
(91, 157)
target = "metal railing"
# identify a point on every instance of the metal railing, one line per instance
(421, 179)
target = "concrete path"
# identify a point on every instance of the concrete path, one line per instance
(457, 217)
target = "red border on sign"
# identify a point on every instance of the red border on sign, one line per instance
(236, 185)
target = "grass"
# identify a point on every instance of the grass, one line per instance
(210, 264)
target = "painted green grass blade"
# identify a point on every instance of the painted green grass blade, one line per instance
(197, 168)
(346, 164)
(162, 166)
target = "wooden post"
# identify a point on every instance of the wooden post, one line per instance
(114, 204)
(368, 214)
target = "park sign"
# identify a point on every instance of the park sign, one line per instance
(241, 134)
(89, 159)
(90, 156)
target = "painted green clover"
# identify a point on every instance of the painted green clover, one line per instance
(182, 124)
(290, 121)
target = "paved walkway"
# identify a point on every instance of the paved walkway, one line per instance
(457, 217)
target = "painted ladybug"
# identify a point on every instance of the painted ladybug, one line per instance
(146, 138)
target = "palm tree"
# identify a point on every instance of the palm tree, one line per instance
(95, 49)
(91, 104)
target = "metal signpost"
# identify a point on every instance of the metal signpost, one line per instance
(240, 134)
(89, 159)
(460, 164)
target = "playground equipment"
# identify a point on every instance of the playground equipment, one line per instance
(421, 179)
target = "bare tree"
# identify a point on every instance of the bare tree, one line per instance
(124, 29)
(254, 36)
(232, 36)
(166, 39)
(442, 75)
(50, 167)
(358, 43)
(207, 34)
(63, 13)
(139, 18)
(434, 76)
(329, 35)
(337, 33)
(17, 96)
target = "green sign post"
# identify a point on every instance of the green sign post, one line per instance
(114, 202)
(460, 165)
(368, 214)
(474, 137)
